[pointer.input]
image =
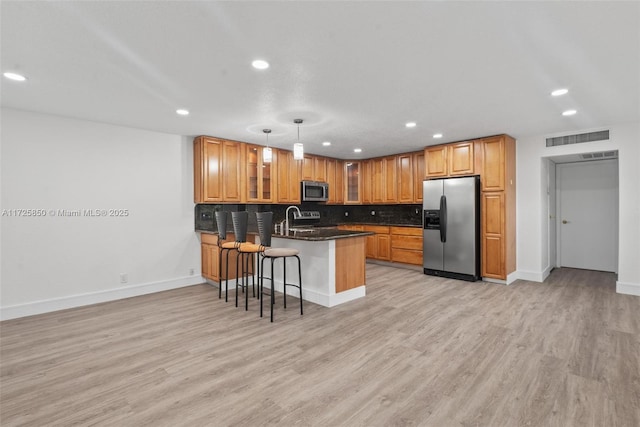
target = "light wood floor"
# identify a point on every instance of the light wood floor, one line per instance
(417, 350)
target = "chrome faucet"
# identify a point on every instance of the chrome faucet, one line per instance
(286, 221)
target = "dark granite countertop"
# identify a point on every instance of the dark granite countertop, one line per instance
(382, 224)
(321, 234)
(312, 234)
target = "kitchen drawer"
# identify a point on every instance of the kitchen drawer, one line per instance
(209, 239)
(409, 231)
(378, 229)
(406, 242)
(351, 227)
(406, 256)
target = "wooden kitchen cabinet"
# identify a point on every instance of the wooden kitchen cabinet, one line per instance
(455, 159)
(402, 244)
(383, 247)
(320, 169)
(314, 168)
(492, 234)
(493, 163)
(307, 168)
(210, 253)
(390, 178)
(335, 179)
(288, 177)
(367, 181)
(380, 180)
(406, 245)
(351, 227)
(461, 158)
(339, 185)
(217, 170)
(232, 171)
(210, 262)
(498, 206)
(436, 161)
(353, 176)
(419, 176)
(379, 244)
(260, 178)
(377, 180)
(405, 178)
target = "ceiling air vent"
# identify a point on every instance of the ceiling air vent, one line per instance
(602, 135)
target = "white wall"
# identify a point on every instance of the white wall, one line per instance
(532, 206)
(53, 262)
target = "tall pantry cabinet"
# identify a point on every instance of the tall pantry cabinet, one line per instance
(498, 206)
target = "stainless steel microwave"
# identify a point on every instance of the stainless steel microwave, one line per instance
(314, 191)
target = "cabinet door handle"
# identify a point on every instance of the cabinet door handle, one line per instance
(564, 221)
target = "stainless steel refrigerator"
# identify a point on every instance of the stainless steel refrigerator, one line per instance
(451, 227)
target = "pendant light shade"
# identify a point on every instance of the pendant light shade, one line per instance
(298, 148)
(267, 154)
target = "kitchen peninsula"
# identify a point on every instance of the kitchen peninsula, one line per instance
(333, 263)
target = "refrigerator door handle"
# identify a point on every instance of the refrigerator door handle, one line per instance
(443, 218)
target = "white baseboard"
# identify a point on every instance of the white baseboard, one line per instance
(491, 280)
(322, 298)
(79, 300)
(534, 276)
(510, 279)
(628, 288)
(396, 264)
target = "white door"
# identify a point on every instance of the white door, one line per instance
(588, 214)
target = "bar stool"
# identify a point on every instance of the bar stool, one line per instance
(221, 221)
(246, 253)
(264, 220)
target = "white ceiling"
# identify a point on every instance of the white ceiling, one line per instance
(354, 71)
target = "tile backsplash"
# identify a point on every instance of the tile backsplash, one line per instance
(329, 214)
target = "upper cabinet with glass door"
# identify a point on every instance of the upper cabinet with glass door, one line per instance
(260, 178)
(352, 175)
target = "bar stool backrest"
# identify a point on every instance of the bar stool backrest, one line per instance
(264, 220)
(240, 222)
(221, 221)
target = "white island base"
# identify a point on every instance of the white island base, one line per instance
(333, 270)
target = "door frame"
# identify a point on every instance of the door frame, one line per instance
(558, 235)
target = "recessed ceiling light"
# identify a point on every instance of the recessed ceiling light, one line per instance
(182, 112)
(357, 150)
(437, 135)
(569, 112)
(326, 143)
(15, 76)
(260, 64)
(559, 92)
(410, 124)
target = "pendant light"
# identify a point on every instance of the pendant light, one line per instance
(298, 148)
(267, 155)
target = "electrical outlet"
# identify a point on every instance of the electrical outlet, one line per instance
(373, 213)
(346, 214)
(124, 277)
(191, 272)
